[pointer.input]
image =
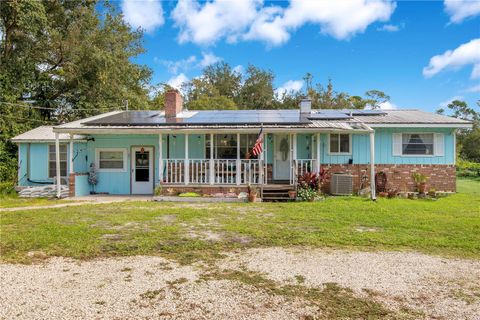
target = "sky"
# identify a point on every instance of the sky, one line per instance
(422, 53)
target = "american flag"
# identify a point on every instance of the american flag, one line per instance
(258, 147)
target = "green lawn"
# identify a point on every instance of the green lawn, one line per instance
(15, 202)
(448, 226)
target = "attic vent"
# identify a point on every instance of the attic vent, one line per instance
(341, 184)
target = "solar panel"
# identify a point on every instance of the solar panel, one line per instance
(356, 112)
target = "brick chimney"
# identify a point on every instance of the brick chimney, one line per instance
(173, 103)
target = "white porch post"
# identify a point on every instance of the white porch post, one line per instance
(238, 173)
(318, 153)
(187, 165)
(160, 158)
(212, 165)
(70, 156)
(295, 166)
(57, 162)
(372, 165)
(265, 160)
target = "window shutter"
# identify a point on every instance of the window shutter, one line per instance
(439, 141)
(397, 144)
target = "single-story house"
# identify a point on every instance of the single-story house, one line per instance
(210, 151)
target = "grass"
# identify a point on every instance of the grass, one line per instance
(448, 226)
(15, 202)
(331, 301)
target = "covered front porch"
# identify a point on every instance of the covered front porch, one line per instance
(227, 159)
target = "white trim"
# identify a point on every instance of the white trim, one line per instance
(372, 167)
(70, 156)
(160, 158)
(97, 159)
(219, 130)
(50, 160)
(349, 153)
(417, 155)
(419, 125)
(57, 163)
(455, 146)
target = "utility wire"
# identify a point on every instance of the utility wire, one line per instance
(53, 109)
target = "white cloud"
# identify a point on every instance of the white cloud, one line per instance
(251, 20)
(445, 103)
(474, 89)
(204, 24)
(289, 86)
(239, 69)
(460, 10)
(175, 66)
(391, 27)
(466, 54)
(208, 59)
(177, 81)
(146, 14)
(387, 105)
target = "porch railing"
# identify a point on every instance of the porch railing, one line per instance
(305, 165)
(225, 171)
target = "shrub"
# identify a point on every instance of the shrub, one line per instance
(468, 168)
(309, 180)
(7, 188)
(189, 194)
(306, 194)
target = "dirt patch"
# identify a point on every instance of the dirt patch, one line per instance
(435, 286)
(167, 219)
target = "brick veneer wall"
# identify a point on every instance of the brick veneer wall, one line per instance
(71, 183)
(203, 189)
(440, 177)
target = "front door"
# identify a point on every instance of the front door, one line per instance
(281, 157)
(142, 170)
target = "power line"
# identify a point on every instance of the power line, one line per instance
(53, 109)
(27, 119)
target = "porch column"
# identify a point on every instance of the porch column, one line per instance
(372, 165)
(318, 153)
(70, 156)
(187, 165)
(57, 162)
(265, 160)
(160, 158)
(239, 163)
(295, 166)
(212, 165)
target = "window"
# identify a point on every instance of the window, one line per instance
(247, 141)
(417, 143)
(52, 168)
(111, 159)
(224, 146)
(339, 143)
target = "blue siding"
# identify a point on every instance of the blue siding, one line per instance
(39, 161)
(82, 188)
(119, 182)
(384, 147)
(304, 146)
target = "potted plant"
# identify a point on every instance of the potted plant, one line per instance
(420, 181)
(252, 193)
(292, 194)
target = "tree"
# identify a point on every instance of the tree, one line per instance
(374, 98)
(468, 141)
(222, 77)
(62, 60)
(257, 91)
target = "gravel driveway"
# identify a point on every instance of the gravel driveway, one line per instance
(153, 287)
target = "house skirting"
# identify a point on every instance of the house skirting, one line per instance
(202, 189)
(440, 177)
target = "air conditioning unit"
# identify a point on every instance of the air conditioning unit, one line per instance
(341, 184)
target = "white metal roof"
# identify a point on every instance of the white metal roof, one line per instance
(43, 134)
